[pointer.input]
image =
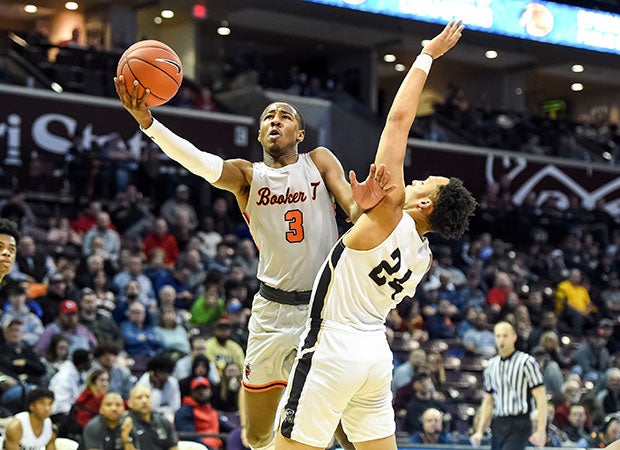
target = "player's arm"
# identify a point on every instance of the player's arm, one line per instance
(393, 142)
(371, 191)
(13, 435)
(51, 445)
(228, 175)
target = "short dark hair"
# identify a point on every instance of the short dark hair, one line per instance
(105, 348)
(161, 362)
(37, 394)
(453, 208)
(10, 228)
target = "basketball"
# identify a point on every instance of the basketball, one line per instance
(156, 67)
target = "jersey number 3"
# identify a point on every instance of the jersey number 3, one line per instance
(295, 219)
(384, 269)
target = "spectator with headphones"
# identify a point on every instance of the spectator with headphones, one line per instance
(432, 429)
(608, 433)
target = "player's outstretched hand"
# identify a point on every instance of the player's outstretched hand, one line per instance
(373, 189)
(136, 106)
(445, 40)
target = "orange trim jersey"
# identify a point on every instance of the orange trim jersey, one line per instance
(291, 216)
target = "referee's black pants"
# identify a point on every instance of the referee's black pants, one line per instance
(510, 433)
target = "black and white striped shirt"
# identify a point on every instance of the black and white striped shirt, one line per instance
(510, 381)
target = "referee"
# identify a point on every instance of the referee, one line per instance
(511, 379)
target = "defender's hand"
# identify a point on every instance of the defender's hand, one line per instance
(373, 189)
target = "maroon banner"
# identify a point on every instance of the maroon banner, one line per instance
(549, 178)
(39, 130)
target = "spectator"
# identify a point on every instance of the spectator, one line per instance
(152, 430)
(552, 373)
(18, 364)
(610, 296)
(551, 439)
(110, 237)
(184, 367)
(67, 384)
(68, 324)
(50, 302)
(222, 350)
(130, 296)
(573, 302)
(201, 366)
(191, 260)
(222, 259)
(404, 372)
(17, 309)
(89, 401)
(133, 272)
(439, 323)
(608, 400)
(130, 213)
(226, 393)
(179, 204)
(173, 336)
(549, 322)
(609, 432)
(209, 307)
(32, 428)
(178, 278)
(165, 393)
(480, 340)
(197, 415)
(167, 298)
(247, 258)
(424, 397)
(103, 327)
(432, 429)
(60, 234)
(31, 263)
(592, 357)
(105, 430)
(161, 238)
(575, 429)
(497, 295)
(209, 238)
(57, 353)
(572, 392)
(140, 339)
(106, 358)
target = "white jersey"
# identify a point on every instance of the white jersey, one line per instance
(358, 288)
(29, 441)
(290, 213)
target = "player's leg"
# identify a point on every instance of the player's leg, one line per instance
(260, 411)
(283, 443)
(342, 438)
(388, 443)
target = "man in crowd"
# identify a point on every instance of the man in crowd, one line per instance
(152, 430)
(105, 431)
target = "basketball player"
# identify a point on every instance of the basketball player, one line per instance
(9, 239)
(343, 367)
(33, 429)
(288, 204)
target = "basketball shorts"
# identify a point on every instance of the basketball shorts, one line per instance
(274, 331)
(345, 376)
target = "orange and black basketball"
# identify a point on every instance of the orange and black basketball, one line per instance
(156, 67)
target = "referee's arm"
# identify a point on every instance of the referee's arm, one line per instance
(484, 416)
(539, 437)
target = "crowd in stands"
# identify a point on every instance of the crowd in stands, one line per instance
(113, 297)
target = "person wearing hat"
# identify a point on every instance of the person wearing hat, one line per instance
(197, 415)
(33, 428)
(592, 358)
(51, 300)
(18, 364)
(67, 323)
(221, 349)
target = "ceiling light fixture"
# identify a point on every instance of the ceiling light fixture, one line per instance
(399, 67)
(158, 20)
(491, 54)
(389, 58)
(576, 87)
(224, 29)
(30, 9)
(577, 68)
(71, 6)
(167, 14)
